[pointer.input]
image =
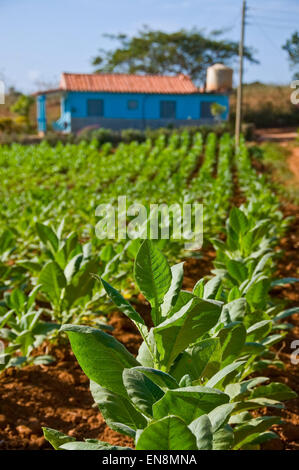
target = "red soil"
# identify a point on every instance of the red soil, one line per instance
(58, 395)
(288, 266)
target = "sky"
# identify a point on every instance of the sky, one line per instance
(40, 39)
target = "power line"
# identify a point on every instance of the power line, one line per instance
(271, 26)
(275, 10)
(240, 86)
(274, 20)
(266, 36)
(283, 18)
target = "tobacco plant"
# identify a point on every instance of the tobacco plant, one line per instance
(188, 387)
(22, 329)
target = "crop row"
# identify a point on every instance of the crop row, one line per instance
(191, 385)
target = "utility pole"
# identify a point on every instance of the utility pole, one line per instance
(240, 85)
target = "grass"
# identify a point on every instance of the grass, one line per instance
(257, 95)
(275, 157)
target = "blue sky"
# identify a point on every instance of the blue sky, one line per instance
(42, 38)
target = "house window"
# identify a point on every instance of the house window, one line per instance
(132, 104)
(168, 109)
(205, 110)
(95, 107)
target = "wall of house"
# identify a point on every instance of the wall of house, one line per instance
(117, 115)
(41, 113)
(116, 109)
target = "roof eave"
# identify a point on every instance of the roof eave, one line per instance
(48, 92)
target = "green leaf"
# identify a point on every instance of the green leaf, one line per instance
(234, 294)
(152, 274)
(202, 429)
(217, 379)
(286, 313)
(255, 403)
(236, 309)
(241, 388)
(52, 280)
(185, 381)
(102, 357)
(254, 349)
(259, 330)
(252, 428)
(259, 438)
(238, 221)
(185, 327)
(142, 391)
(177, 273)
(4, 320)
(47, 235)
(223, 439)
(43, 359)
(272, 339)
(257, 293)
(189, 402)
(201, 360)
(122, 303)
(91, 446)
(212, 287)
(199, 287)
(144, 356)
(116, 409)
(45, 328)
(30, 265)
(82, 282)
(169, 433)
(284, 281)
(232, 338)
(17, 300)
(73, 267)
(6, 333)
(220, 415)
(56, 438)
(275, 391)
(163, 380)
(237, 270)
(4, 360)
(32, 296)
(6, 241)
(240, 418)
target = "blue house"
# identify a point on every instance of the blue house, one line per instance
(119, 101)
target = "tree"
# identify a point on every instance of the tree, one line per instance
(22, 107)
(217, 110)
(292, 48)
(157, 52)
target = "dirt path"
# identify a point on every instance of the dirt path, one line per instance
(293, 161)
(276, 135)
(287, 139)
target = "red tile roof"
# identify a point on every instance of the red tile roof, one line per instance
(121, 83)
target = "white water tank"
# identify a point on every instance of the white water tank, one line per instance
(219, 78)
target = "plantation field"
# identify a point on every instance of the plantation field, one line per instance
(192, 355)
